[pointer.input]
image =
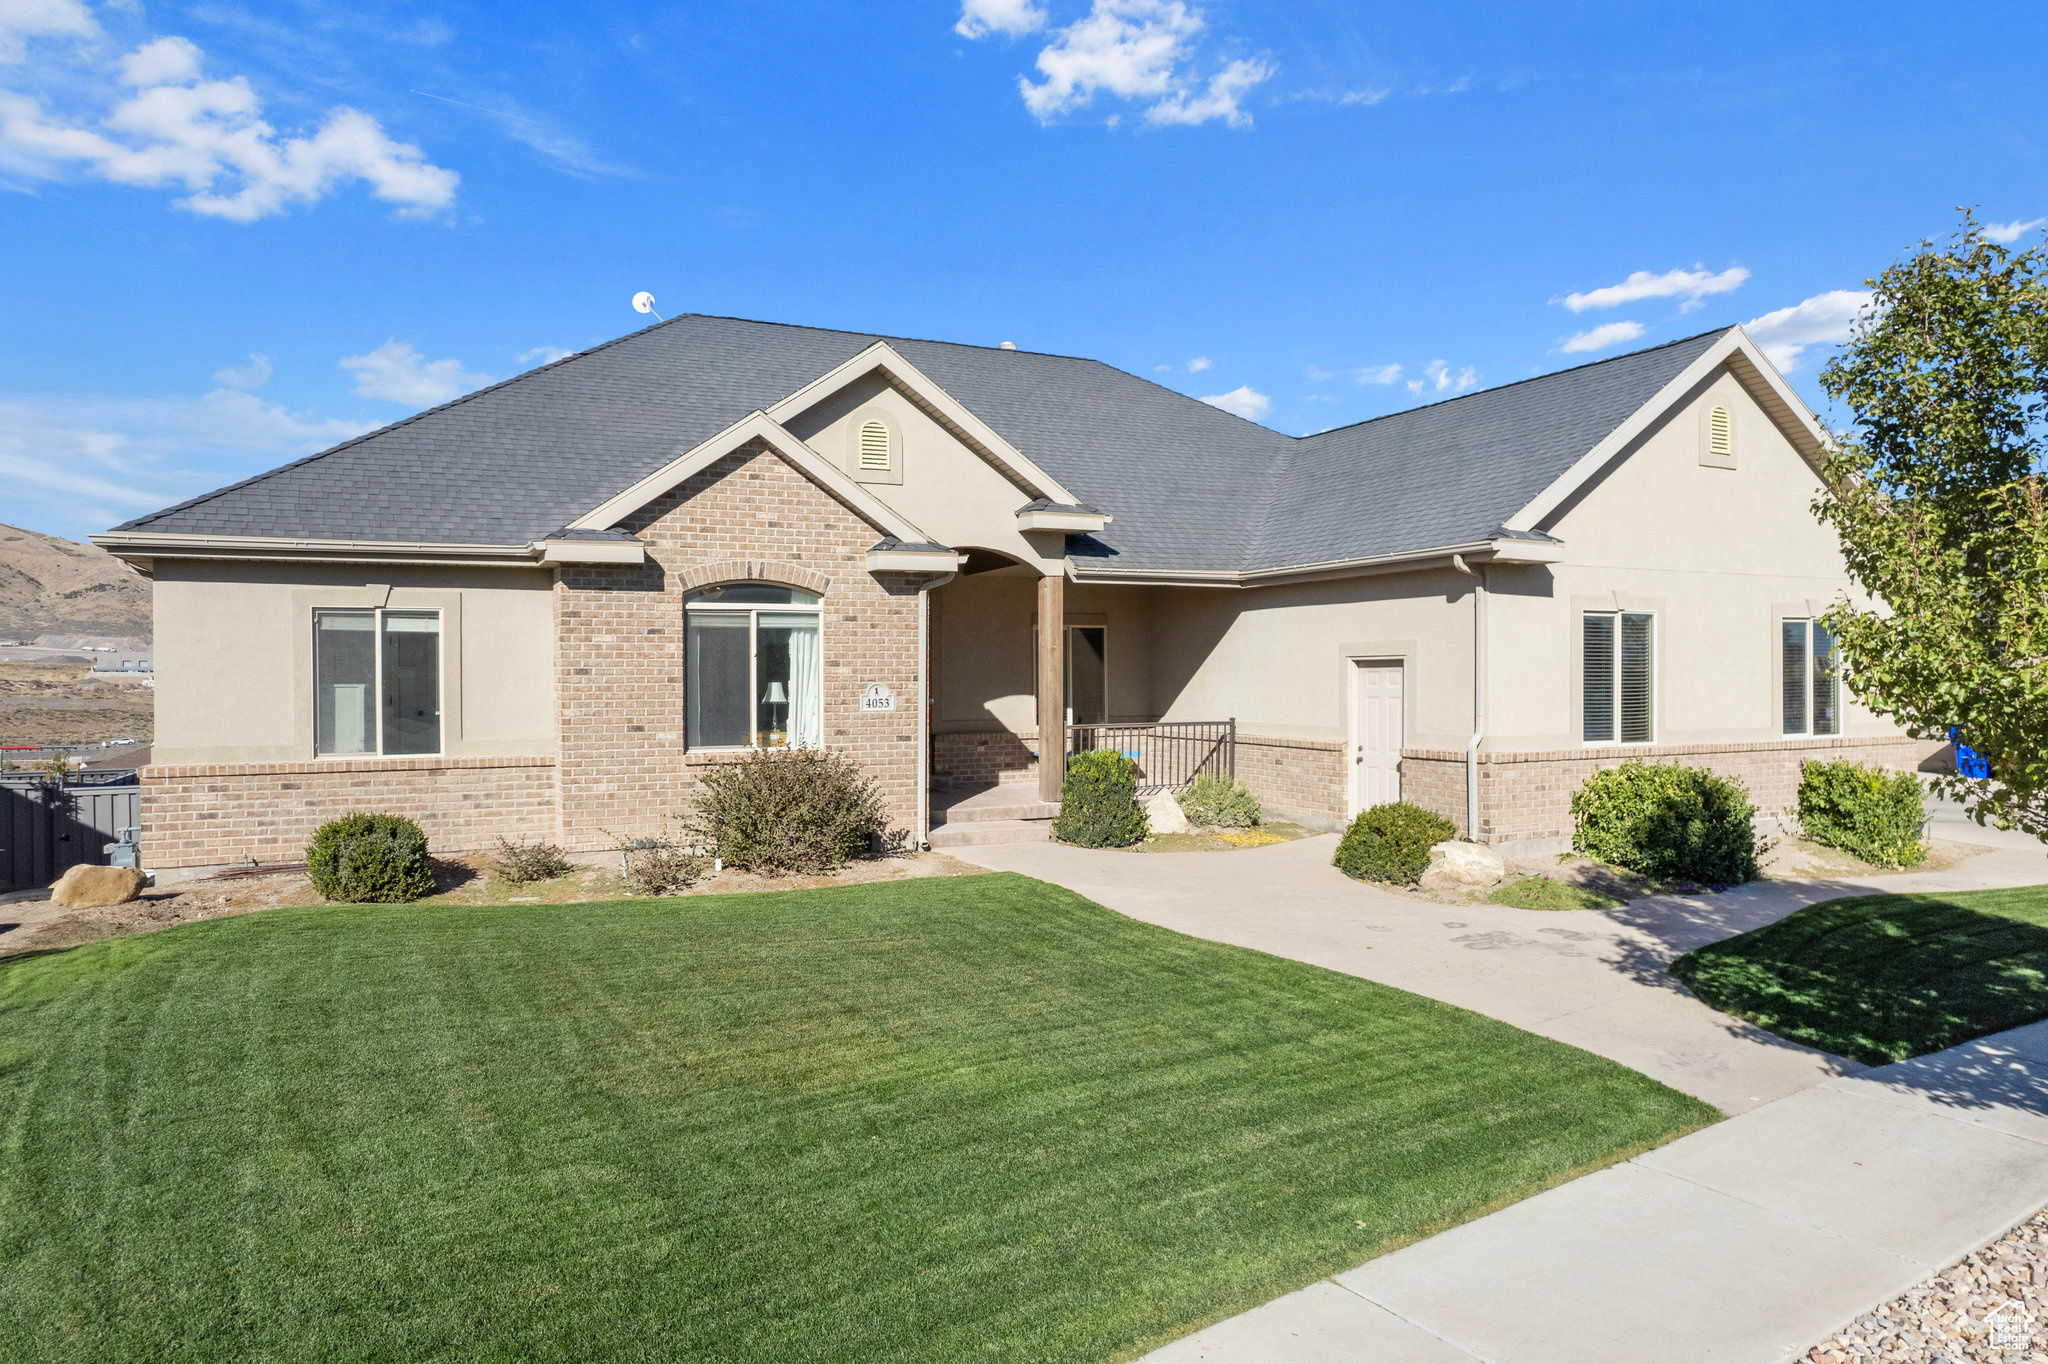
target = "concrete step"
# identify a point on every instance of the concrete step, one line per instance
(980, 833)
(1008, 807)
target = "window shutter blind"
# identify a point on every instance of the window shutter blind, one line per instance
(1826, 687)
(874, 446)
(1795, 676)
(1721, 432)
(1637, 674)
(1598, 678)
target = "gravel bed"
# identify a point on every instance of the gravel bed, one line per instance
(1993, 1306)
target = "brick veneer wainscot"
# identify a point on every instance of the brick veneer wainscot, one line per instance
(619, 644)
(1528, 795)
(210, 815)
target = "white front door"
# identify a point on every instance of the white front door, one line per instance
(1375, 734)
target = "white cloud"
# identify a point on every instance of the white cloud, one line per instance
(1198, 364)
(1137, 50)
(21, 20)
(255, 374)
(566, 150)
(1693, 285)
(73, 466)
(1379, 374)
(1601, 337)
(1014, 18)
(1367, 96)
(544, 355)
(1823, 320)
(161, 124)
(1438, 377)
(1246, 402)
(2007, 233)
(397, 373)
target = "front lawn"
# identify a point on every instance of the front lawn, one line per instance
(1879, 978)
(967, 1118)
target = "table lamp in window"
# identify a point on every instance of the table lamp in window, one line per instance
(777, 697)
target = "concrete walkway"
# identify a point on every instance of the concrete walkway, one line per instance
(1746, 1242)
(1596, 980)
(1834, 1189)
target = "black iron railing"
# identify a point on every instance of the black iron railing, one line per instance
(1168, 755)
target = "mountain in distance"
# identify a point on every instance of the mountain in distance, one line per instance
(54, 586)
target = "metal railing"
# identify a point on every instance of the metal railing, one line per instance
(1168, 755)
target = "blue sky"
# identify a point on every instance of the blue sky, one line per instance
(231, 234)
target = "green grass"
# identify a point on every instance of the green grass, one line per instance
(1880, 978)
(967, 1118)
(1548, 892)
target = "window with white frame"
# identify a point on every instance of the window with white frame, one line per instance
(376, 682)
(751, 672)
(1618, 676)
(1811, 682)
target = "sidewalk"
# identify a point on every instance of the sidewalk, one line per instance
(1746, 1242)
(1596, 980)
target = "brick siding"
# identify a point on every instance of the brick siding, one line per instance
(985, 757)
(1295, 778)
(619, 644)
(208, 815)
(1528, 795)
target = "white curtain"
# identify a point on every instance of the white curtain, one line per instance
(806, 723)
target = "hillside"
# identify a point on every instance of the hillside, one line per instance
(53, 586)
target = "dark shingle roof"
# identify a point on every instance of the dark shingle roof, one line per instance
(1190, 486)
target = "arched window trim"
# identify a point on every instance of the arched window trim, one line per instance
(752, 670)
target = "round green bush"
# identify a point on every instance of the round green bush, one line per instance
(1868, 811)
(1670, 823)
(370, 859)
(1391, 843)
(1099, 802)
(1220, 803)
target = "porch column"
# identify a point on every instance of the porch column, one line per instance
(1052, 685)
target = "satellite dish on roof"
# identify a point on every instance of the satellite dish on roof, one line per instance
(643, 302)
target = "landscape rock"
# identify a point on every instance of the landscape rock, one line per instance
(1462, 866)
(1164, 815)
(91, 887)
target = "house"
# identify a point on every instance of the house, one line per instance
(543, 609)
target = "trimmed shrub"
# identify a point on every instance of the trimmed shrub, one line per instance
(1219, 802)
(1868, 811)
(1391, 843)
(1670, 823)
(372, 859)
(523, 862)
(784, 810)
(1099, 802)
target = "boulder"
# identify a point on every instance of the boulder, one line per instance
(1164, 816)
(1462, 866)
(87, 887)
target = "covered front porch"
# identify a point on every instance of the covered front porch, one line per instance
(1016, 654)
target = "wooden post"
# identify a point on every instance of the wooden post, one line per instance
(1052, 685)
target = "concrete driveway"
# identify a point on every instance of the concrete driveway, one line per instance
(1596, 980)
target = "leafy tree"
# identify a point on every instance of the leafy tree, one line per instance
(1937, 493)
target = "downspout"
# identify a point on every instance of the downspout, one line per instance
(1478, 694)
(924, 705)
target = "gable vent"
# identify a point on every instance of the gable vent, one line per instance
(874, 446)
(1721, 432)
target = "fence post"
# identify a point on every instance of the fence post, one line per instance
(1233, 748)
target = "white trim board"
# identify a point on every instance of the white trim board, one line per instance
(1749, 364)
(752, 427)
(881, 355)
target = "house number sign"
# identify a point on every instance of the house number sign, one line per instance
(877, 696)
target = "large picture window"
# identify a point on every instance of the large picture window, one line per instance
(376, 682)
(751, 672)
(1619, 675)
(1812, 688)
